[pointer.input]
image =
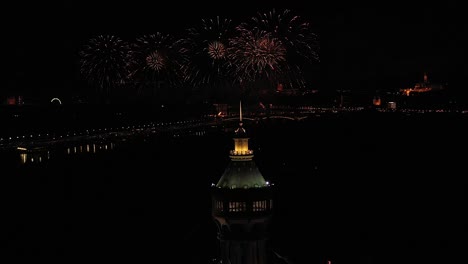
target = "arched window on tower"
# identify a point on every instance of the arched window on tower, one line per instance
(219, 205)
(259, 206)
(237, 206)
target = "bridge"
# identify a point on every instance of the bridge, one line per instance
(179, 127)
(263, 117)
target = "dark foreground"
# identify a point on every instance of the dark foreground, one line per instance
(353, 188)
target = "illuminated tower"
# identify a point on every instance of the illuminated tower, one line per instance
(242, 206)
(425, 78)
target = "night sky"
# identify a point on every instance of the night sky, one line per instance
(366, 48)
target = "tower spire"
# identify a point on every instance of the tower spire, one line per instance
(240, 112)
(241, 149)
(241, 141)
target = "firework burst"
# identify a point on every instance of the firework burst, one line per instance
(256, 54)
(155, 59)
(206, 47)
(293, 31)
(151, 52)
(104, 62)
(295, 34)
(216, 50)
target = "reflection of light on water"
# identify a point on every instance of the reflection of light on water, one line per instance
(34, 157)
(40, 154)
(190, 133)
(24, 158)
(94, 148)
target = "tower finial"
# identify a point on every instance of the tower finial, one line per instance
(240, 111)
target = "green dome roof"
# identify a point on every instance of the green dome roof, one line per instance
(241, 174)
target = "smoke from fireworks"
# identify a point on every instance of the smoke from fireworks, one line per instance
(104, 62)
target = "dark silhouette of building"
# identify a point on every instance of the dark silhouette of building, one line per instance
(242, 206)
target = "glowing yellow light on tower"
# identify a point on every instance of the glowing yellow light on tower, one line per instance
(241, 145)
(241, 142)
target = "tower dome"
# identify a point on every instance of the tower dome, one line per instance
(242, 172)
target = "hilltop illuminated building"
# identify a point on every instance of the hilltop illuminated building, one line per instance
(242, 206)
(422, 87)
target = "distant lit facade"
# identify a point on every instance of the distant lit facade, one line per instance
(14, 100)
(422, 87)
(242, 206)
(391, 105)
